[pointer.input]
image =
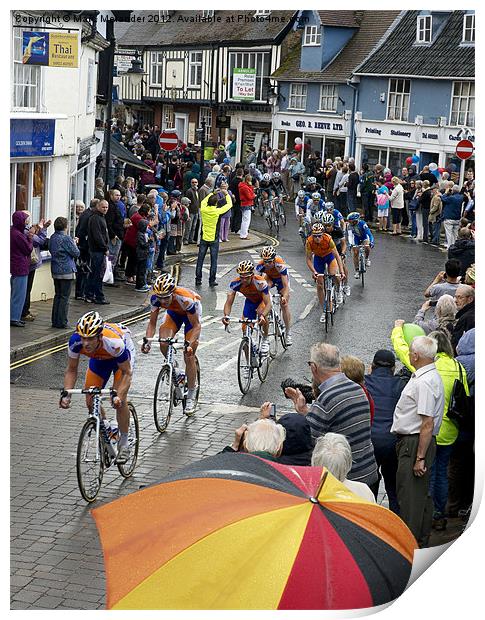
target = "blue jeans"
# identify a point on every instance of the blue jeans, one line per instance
(436, 232)
(414, 225)
(94, 284)
(438, 483)
(386, 459)
(213, 246)
(18, 291)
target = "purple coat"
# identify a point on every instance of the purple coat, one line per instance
(20, 245)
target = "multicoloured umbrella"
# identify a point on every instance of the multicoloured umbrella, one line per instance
(234, 531)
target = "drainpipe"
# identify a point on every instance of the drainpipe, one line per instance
(353, 83)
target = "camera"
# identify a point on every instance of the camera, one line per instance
(433, 303)
(272, 411)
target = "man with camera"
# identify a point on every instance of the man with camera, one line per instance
(446, 282)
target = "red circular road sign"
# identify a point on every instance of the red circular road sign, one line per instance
(464, 149)
(168, 140)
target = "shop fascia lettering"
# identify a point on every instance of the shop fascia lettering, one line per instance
(311, 124)
(418, 133)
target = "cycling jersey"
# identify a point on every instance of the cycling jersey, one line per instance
(337, 235)
(338, 217)
(361, 232)
(278, 187)
(310, 189)
(113, 344)
(253, 291)
(323, 247)
(275, 271)
(183, 301)
(301, 204)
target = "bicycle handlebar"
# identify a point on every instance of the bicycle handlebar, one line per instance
(91, 390)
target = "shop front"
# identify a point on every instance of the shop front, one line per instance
(329, 136)
(390, 144)
(249, 127)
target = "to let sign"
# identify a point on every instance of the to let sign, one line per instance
(244, 84)
(168, 140)
(464, 149)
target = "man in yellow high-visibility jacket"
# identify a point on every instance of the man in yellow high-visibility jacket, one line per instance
(211, 208)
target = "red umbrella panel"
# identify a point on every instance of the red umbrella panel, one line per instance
(235, 531)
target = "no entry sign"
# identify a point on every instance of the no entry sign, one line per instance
(464, 149)
(168, 140)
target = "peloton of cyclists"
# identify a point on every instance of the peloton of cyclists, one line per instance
(258, 300)
(361, 236)
(182, 307)
(274, 269)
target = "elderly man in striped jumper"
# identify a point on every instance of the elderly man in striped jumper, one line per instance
(341, 407)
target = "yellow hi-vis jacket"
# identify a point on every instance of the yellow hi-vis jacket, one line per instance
(210, 216)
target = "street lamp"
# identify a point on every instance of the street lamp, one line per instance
(136, 72)
(273, 97)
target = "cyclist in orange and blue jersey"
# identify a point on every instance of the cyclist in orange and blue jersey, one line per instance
(110, 350)
(182, 307)
(258, 301)
(274, 269)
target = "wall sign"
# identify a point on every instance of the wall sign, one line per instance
(409, 134)
(311, 124)
(244, 84)
(50, 49)
(32, 137)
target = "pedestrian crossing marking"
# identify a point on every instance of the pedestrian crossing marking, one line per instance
(226, 364)
(227, 346)
(202, 345)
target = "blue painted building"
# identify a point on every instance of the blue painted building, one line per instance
(317, 96)
(417, 91)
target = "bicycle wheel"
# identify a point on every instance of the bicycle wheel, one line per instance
(327, 308)
(282, 215)
(244, 369)
(276, 223)
(89, 465)
(263, 367)
(333, 298)
(362, 269)
(163, 398)
(126, 469)
(269, 220)
(260, 206)
(272, 336)
(281, 331)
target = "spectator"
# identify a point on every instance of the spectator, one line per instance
(341, 407)
(465, 317)
(463, 249)
(424, 210)
(367, 192)
(185, 203)
(63, 252)
(352, 184)
(211, 208)
(446, 282)
(98, 244)
(147, 177)
(411, 198)
(21, 246)
(163, 233)
(333, 451)
(426, 175)
(81, 234)
(342, 191)
(444, 315)
(470, 276)
(434, 218)
(225, 219)
(246, 197)
(130, 193)
(397, 205)
(298, 444)
(142, 253)
(115, 222)
(206, 189)
(38, 240)
(236, 213)
(193, 225)
(452, 202)
(131, 243)
(382, 197)
(354, 369)
(99, 191)
(263, 438)
(296, 169)
(417, 419)
(385, 388)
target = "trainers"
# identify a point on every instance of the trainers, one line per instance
(264, 346)
(123, 455)
(356, 275)
(347, 290)
(289, 339)
(189, 407)
(367, 262)
(322, 318)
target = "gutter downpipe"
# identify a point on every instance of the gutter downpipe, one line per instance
(355, 102)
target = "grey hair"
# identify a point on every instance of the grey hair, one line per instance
(466, 289)
(443, 342)
(209, 182)
(424, 346)
(446, 308)
(265, 436)
(325, 355)
(456, 189)
(333, 452)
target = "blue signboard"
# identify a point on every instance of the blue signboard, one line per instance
(35, 48)
(31, 137)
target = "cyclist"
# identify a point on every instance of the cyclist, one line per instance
(312, 186)
(321, 251)
(337, 216)
(274, 269)
(183, 307)
(258, 300)
(362, 236)
(110, 349)
(255, 173)
(340, 241)
(313, 206)
(278, 185)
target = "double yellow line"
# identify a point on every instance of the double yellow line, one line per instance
(175, 271)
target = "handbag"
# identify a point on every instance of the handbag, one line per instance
(460, 409)
(413, 204)
(34, 259)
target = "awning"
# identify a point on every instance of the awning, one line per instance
(118, 151)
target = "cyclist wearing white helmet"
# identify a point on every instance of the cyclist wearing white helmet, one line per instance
(314, 204)
(312, 186)
(278, 184)
(338, 217)
(362, 235)
(340, 241)
(256, 174)
(266, 186)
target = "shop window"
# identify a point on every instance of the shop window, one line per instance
(26, 78)
(373, 156)
(398, 100)
(463, 104)
(29, 188)
(168, 117)
(206, 115)
(397, 160)
(281, 140)
(334, 148)
(298, 94)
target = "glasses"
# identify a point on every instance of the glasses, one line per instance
(268, 260)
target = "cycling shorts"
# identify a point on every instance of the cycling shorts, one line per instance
(250, 310)
(174, 321)
(99, 370)
(361, 241)
(278, 282)
(319, 262)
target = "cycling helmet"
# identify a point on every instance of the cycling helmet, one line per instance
(301, 193)
(318, 216)
(245, 268)
(316, 196)
(317, 228)
(90, 324)
(327, 219)
(311, 180)
(330, 206)
(353, 217)
(276, 175)
(268, 253)
(175, 193)
(164, 285)
(266, 177)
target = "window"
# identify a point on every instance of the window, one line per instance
(206, 115)
(29, 188)
(156, 70)
(423, 32)
(328, 97)
(398, 100)
(26, 78)
(469, 28)
(208, 13)
(195, 69)
(312, 36)
(463, 104)
(168, 117)
(298, 96)
(252, 60)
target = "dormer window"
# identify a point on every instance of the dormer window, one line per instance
(262, 13)
(469, 28)
(313, 35)
(424, 29)
(209, 13)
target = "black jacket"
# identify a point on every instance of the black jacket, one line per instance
(465, 320)
(464, 251)
(353, 182)
(97, 233)
(82, 229)
(142, 243)
(114, 222)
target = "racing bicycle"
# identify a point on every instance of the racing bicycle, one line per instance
(277, 328)
(96, 450)
(330, 297)
(249, 356)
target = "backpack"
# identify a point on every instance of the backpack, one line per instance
(382, 200)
